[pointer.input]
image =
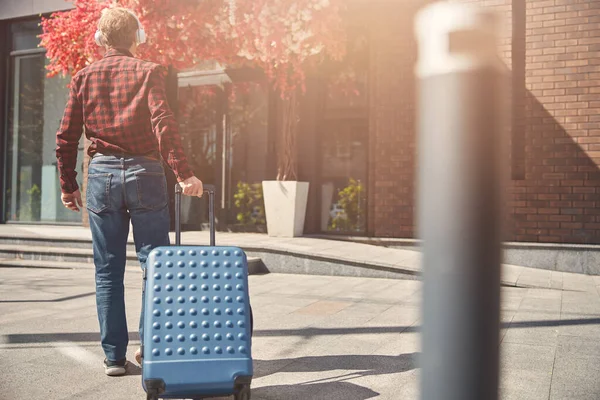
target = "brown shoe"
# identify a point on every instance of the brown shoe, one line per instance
(138, 356)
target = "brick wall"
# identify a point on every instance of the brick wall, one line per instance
(559, 199)
(555, 136)
(391, 122)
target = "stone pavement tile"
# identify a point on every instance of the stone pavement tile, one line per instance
(361, 342)
(56, 367)
(398, 291)
(326, 376)
(556, 280)
(340, 287)
(582, 347)
(374, 285)
(293, 302)
(541, 293)
(580, 325)
(510, 274)
(533, 328)
(397, 316)
(13, 356)
(510, 305)
(319, 390)
(408, 342)
(520, 394)
(298, 342)
(46, 326)
(581, 302)
(577, 282)
(410, 390)
(576, 376)
(536, 304)
(534, 358)
(566, 395)
(323, 308)
(520, 384)
(361, 312)
(16, 315)
(512, 291)
(525, 371)
(298, 286)
(396, 381)
(506, 317)
(533, 277)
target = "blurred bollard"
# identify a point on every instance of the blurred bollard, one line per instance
(461, 183)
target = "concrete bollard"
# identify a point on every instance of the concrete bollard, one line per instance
(460, 186)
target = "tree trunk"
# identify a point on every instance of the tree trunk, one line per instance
(287, 163)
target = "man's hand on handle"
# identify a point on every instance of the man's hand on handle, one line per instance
(72, 200)
(192, 187)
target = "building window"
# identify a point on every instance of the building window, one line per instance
(223, 119)
(35, 108)
(344, 143)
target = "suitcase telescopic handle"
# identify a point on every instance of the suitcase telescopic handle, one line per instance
(210, 189)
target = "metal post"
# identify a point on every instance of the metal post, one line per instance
(460, 188)
(178, 192)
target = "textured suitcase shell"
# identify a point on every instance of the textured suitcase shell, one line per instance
(197, 336)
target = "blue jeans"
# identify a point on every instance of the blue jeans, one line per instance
(120, 190)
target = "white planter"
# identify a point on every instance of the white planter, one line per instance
(285, 207)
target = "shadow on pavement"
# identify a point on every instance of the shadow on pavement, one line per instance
(316, 391)
(77, 337)
(67, 298)
(336, 387)
(356, 365)
(133, 369)
(24, 338)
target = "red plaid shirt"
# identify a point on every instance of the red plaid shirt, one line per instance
(121, 102)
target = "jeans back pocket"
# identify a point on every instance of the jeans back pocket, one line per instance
(152, 190)
(98, 192)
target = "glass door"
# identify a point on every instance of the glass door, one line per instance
(201, 122)
(36, 105)
(245, 142)
(223, 126)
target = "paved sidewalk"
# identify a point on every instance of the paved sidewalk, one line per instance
(317, 337)
(305, 255)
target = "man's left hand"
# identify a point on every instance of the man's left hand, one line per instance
(72, 200)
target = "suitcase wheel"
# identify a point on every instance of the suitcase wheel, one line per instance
(152, 396)
(243, 393)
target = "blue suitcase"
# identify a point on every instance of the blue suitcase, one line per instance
(198, 320)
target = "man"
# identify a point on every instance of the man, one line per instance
(121, 101)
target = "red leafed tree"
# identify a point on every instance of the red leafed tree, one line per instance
(283, 37)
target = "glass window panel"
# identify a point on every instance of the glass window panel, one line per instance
(344, 178)
(231, 120)
(199, 116)
(25, 35)
(247, 146)
(35, 109)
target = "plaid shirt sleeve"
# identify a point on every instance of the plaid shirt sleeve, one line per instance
(67, 141)
(164, 125)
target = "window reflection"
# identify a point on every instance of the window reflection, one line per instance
(35, 108)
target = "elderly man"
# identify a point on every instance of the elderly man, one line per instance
(121, 101)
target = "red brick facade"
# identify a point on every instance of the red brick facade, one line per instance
(555, 58)
(391, 123)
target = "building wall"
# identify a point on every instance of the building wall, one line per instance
(553, 51)
(10, 9)
(392, 122)
(559, 199)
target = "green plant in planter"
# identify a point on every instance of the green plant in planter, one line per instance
(250, 204)
(351, 200)
(30, 211)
